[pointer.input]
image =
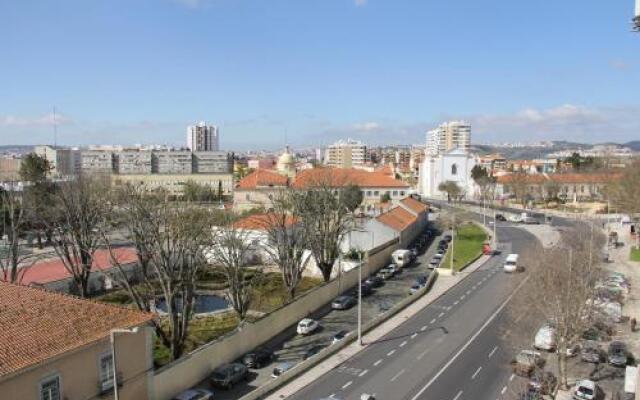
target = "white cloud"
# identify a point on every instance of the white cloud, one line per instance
(366, 127)
(37, 121)
(360, 3)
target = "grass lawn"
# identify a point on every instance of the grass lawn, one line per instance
(272, 294)
(468, 245)
(635, 254)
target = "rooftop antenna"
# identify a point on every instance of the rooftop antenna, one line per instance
(55, 128)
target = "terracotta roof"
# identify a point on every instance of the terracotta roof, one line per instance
(36, 325)
(414, 205)
(54, 270)
(562, 178)
(386, 169)
(260, 222)
(397, 219)
(528, 179)
(338, 177)
(262, 178)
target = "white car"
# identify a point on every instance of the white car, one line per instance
(307, 326)
(195, 394)
(585, 390)
(545, 338)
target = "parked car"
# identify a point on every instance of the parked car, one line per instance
(414, 288)
(257, 358)
(343, 303)
(366, 396)
(500, 217)
(592, 353)
(339, 336)
(374, 281)
(366, 290)
(195, 394)
(385, 273)
(415, 252)
(312, 352)
(422, 280)
(543, 383)
(448, 238)
(526, 362)
(228, 375)
(531, 221)
(438, 256)
(618, 354)
(394, 268)
(281, 369)
(434, 263)
(545, 338)
(443, 242)
(585, 390)
(307, 326)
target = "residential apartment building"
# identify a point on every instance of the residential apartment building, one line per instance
(10, 168)
(63, 161)
(172, 162)
(212, 162)
(96, 162)
(346, 154)
(449, 136)
(133, 162)
(174, 183)
(54, 347)
(203, 137)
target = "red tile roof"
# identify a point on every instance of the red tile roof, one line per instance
(54, 270)
(36, 325)
(397, 219)
(262, 178)
(561, 178)
(260, 222)
(338, 177)
(528, 179)
(414, 205)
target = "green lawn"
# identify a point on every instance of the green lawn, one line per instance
(635, 254)
(468, 245)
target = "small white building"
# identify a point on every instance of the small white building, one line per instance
(454, 165)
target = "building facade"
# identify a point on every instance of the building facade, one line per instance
(346, 154)
(454, 166)
(63, 161)
(172, 162)
(174, 183)
(132, 162)
(96, 162)
(203, 137)
(448, 136)
(212, 162)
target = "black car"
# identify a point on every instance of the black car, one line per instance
(257, 359)
(592, 353)
(312, 352)
(618, 354)
(366, 290)
(374, 281)
(500, 217)
(343, 303)
(228, 375)
(421, 280)
(443, 242)
(448, 238)
(339, 336)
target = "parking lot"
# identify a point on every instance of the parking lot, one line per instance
(291, 348)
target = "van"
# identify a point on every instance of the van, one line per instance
(545, 338)
(402, 257)
(511, 263)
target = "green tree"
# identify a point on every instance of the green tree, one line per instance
(352, 197)
(34, 168)
(451, 188)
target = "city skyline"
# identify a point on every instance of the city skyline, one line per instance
(317, 86)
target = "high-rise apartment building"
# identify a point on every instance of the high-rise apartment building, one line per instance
(346, 154)
(448, 136)
(63, 161)
(172, 162)
(96, 162)
(203, 137)
(132, 162)
(212, 162)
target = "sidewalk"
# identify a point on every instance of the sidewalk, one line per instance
(441, 286)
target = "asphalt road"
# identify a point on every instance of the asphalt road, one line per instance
(452, 349)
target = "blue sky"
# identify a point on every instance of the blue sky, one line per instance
(139, 71)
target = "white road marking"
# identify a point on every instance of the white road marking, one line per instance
(424, 328)
(448, 308)
(518, 318)
(504, 389)
(468, 292)
(332, 396)
(391, 353)
(403, 344)
(346, 385)
(462, 297)
(455, 303)
(363, 373)
(422, 354)
(511, 377)
(493, 351)
(375, 364)
(397, 375)
(458, 395)
(432, 321)
(476, 373)
(466, 345)
(414, 336)
(440, 315)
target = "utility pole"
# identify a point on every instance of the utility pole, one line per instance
(360, 300)
(453, 241)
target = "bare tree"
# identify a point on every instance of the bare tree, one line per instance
(286, 245)
(81, 208)
(624, 189)
(14, 260)
(230, 249)
(451, 188)
(169, 239)
(560, 291)
(325, 216)
(519, 185)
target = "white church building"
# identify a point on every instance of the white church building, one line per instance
(454, 165)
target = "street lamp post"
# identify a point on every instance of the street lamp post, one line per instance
(112, 337)
(453, 241)
(360, 300)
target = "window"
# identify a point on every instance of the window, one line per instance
(454, 169)
(50, 389)
(376, 193)
(368, 193)
(270, 197)
(402, 193)
(395, 193)
(105, 371)
(248, 197)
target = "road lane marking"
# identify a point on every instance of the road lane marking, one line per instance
(476, 373)
(493, 351)
(458, 395)
(403, 344)
(440, 315)
(468, 292)
(375, 364)
(504, 389)
(363, 373)
(511, 377)
(396, 376)
(455, 303)
(414, 336)
(346, 385)
(466, 345)
(448, 308)
(424, 328)
(391, 353)
(462, 297)
(432, 321)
